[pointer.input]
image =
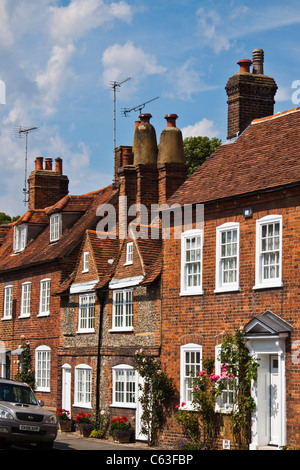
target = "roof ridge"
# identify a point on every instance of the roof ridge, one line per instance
(275, 116)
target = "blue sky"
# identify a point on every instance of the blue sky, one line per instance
(58, 59)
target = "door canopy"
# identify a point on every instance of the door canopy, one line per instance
(267, 324)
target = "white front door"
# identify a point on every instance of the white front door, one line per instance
(66, 387)
(138, 433)
(268, 400)
(274, 401)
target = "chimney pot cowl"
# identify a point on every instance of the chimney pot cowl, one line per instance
(171, 120)
(145, 117)
(244, 65)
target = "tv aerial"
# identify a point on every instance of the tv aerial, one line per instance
(115, 85)
(138, 108)
(23, 133)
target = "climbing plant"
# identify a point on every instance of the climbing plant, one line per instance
(201, 423)
(156, 388)
(241, 365)
(25, 373)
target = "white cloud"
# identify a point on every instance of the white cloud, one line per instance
(205, 127)
(73, 21)
(55, 76)
(219, 29)
(120, 61)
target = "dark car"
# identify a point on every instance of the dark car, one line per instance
(22, 418)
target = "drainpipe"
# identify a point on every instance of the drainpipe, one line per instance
(102, 296)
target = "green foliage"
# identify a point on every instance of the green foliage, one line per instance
(157, 388)
(201, 425)
(197, 150)
(26, 373)
(120, 427)
(235, 355)
(7, 219)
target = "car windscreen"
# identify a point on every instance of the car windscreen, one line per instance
(17, 394)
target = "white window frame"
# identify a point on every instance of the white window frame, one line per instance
(260, 282)
(184, 288)
(222, 405)
(7, 302)
(43, 368)
(191, 349)
(83, 386)
(86, 312)
(44, 307)
(129, 253)
(86, 258)
(122, 311)
(20, 237)
(221, 285)
(55, 227)
(125, 386)
(25, 300)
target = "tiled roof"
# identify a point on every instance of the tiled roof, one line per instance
(39, 249)
(265, 156)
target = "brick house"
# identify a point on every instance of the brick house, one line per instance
(111, 304)
(238, 268)
(38, 252)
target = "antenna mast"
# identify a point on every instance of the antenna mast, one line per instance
(114, 86)
(138, 108)
(24, 131)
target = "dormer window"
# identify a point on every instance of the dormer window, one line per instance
(86, 255)
(55, 227)
(20, 237)
(129, 253)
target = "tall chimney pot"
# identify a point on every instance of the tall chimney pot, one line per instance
(48, 163)
(39, 163)
(245, 65)
(171, 120)
(58, 165)
(258, 61)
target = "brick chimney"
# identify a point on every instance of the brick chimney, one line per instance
(172, 168)
(46, 186)
(250, 95)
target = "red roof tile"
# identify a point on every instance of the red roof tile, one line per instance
(265, 156)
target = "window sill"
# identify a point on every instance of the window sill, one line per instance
(24, 316)
(224, 290)
(39, 315)
(6, 318)
(123, 405)
(268, 286)
(187, 293)
(90, 330)
(121, 330)
(83, 405)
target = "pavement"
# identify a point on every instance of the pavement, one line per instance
(73, 441)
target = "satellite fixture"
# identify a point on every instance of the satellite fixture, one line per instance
(23, 132)
(114, 86)
(138, 108)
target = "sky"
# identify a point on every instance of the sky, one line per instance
(59, 60)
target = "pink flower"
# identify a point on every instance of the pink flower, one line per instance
(201, 373)
(214, 377)
(183, 404)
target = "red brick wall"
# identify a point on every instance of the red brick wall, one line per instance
(210, 314)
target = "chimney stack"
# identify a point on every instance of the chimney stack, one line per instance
(46, 186)
(250, 95)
